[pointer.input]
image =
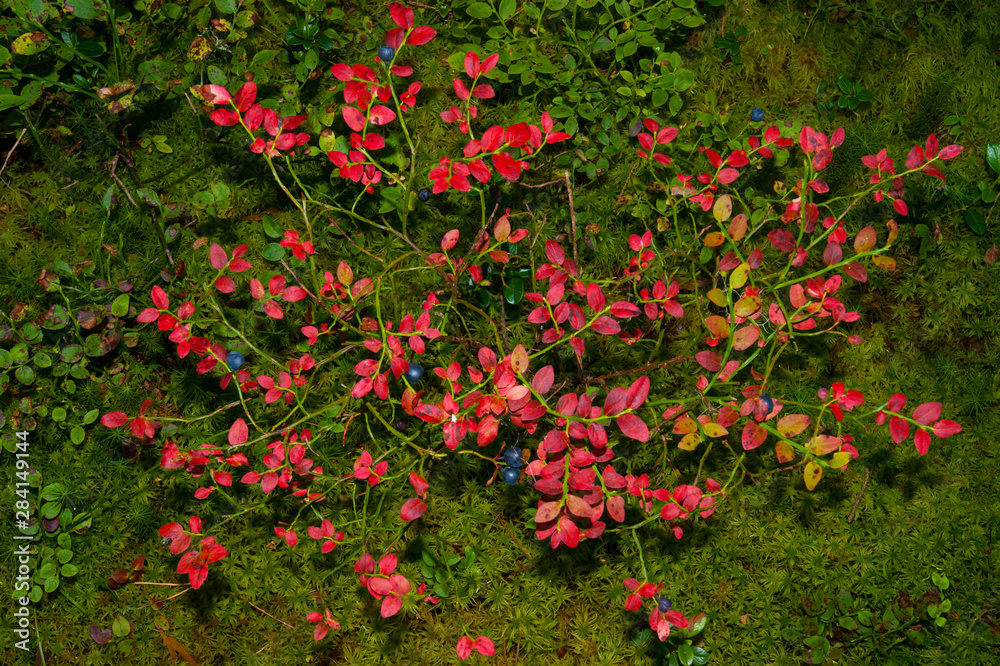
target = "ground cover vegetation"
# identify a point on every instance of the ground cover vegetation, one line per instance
(519, 332)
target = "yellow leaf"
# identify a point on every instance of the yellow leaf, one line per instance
(813, 472)
(718, 297)
(689, 442)
(714, 239)
(723, 208)
(746, 306)
(840, 459)
(740, 275)
(784, 451)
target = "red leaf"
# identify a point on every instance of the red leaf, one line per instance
(238, 432)
(753, 436)
(782, 239)
(114, 419)
(633, 427)
(402, 15)
(217, 257)
(927, 413)
(922, 440)
(553, 252)
(419, 484)
(412, 509)
(543, 380)
(606, 326)
(616, 508)
(899, 429)
(391, 605)
(464, 647)
(507, 166)
(949, 152)
(946, 428)
(484, 646)
(430, 413)
(160, 299)
(354, 118)
(381, 115)
(728, 175)
(272, 310)
(615, 402)
(856, 271)
(637, 393)
(421, 35)
(709, 360)
(215, 94)
(449, 240)
(624, 309)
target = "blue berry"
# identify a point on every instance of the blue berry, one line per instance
(513, 458)
(413, 374)
(386, 53)
(768, 402)
(663, 603)
(424, 194)
(510, 475)
(757, 115)
(234, 360)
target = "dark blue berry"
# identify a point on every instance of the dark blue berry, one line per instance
(768, 402)
(424, 194)
(757, 115)
(513, 458)
(510, 475)
(663, 603)
(234, 360)
(386, 53)
(413, 374)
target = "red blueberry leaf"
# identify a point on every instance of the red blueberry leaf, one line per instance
(419, 484)
(637, 393)
(949, 152)
(543, 380)
(606, 326)
(553, 252)
(615, 403)
(899, 429)
(753, 435)
(547, 512)
(782, 239)
(114, 419)
(217, 256)
(354, 118)
(421, 35)
(922, 440)
(238, 432)
(464, 647)
(728, 175)
(717, 326)
(484, 646)
(927, 413)
(709, 360)
(624, 309)
(633, 427)
(856, 271)
(578, 506)
(430, 413)
(865, 240)
(160, 299)
(616, 508)
(449, 240)
(272, 310)
(412, 509)
(946, 428)
(746, 306)
(381, 115)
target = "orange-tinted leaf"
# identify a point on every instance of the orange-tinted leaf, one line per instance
(784, 451)
(714, 239)
(689, 442)
(746, 306)
(793, 424)
(718, 326)
(519, 359)
(884, 262)
(812, 474)
(820, 445)
(753, 436)
(578, 506)
(865, 240)
(685, 425)
(738, 227)
(745, 337)
(616, 508)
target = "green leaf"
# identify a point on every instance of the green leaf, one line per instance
(226, 6)
(77, 435)
(59, 414)
(993, 156)
(51, 584)
(64, 555)
(53, 492)
(85, 9)
(273, 252)
(120, 627)
(686, 654)
(271, 227)
(479, 10)
(976, 221)
(25, 375)
(64, 540)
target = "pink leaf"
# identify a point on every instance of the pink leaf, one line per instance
(922, 440)
(354, 118)
(114, 419)
(946, 428)
(484, 646)
(412, 509)
(238, 432)
(633, 427)
(927, 413)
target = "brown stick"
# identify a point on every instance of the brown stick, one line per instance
(262, 610)
(864, 485)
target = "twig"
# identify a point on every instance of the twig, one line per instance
(11, 151)
(864, 485)
(142, 582)
(621, 194)
(304, 288)
(262, 610)
(572, 214)
(651, 366)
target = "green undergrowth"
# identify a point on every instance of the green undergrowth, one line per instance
(89, 213)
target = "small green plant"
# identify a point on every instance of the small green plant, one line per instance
(729, 43)
(847, 95)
